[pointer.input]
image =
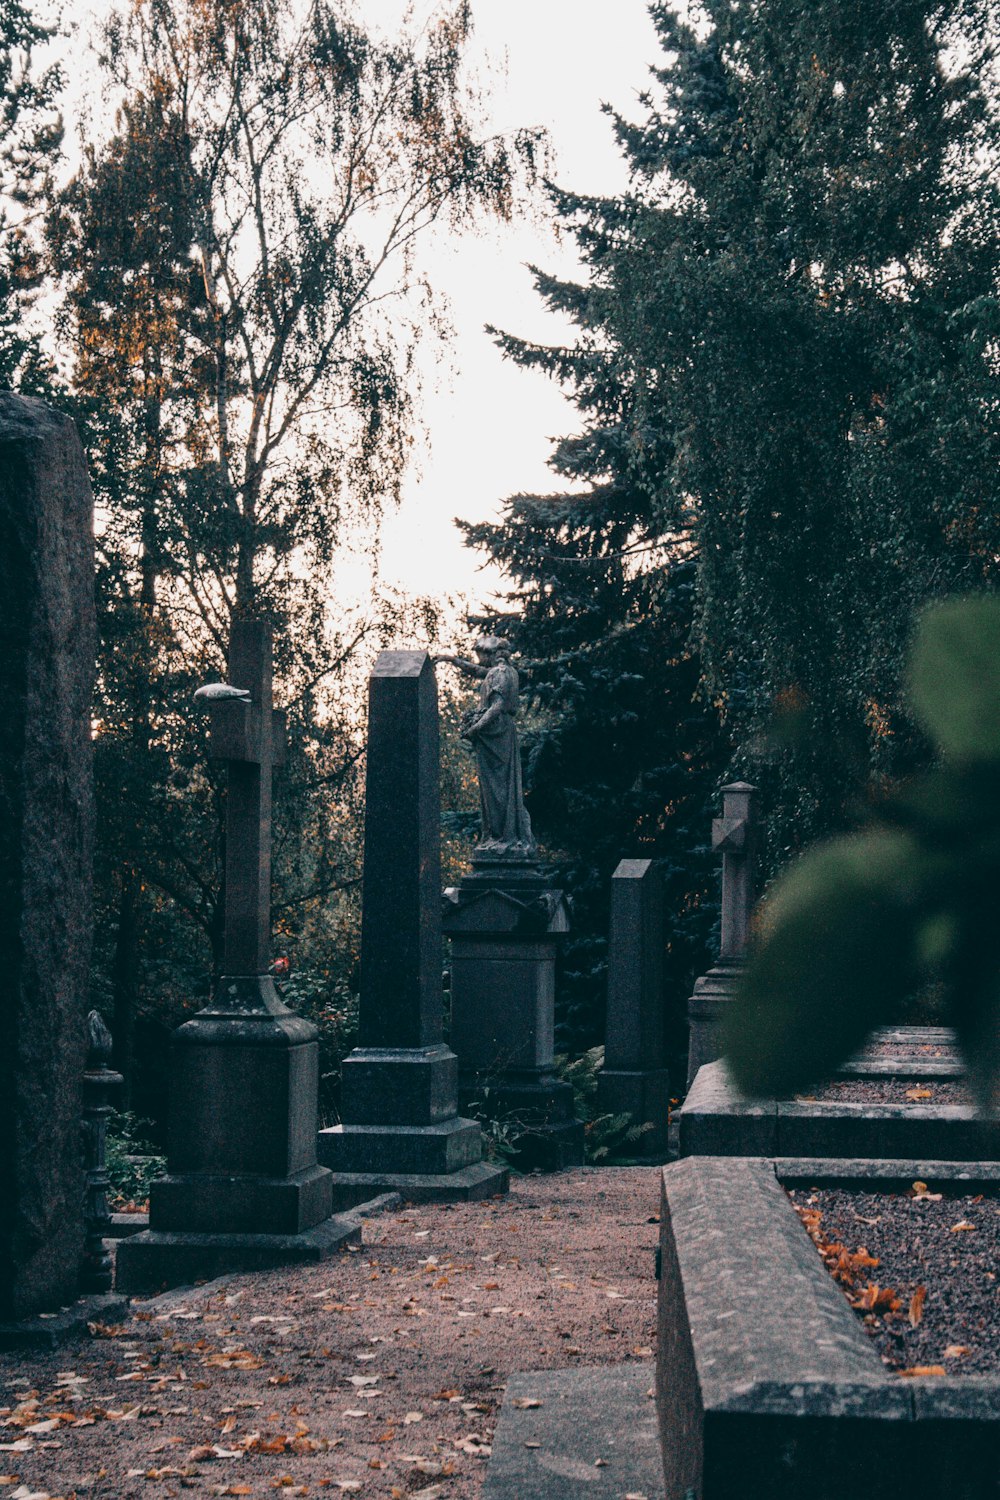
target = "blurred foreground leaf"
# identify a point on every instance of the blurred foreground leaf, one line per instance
(836, 960)
(855, 926)
(955, 677)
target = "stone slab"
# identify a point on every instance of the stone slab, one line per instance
(887, 1175)
(154, 1259)
(47, 651)
(717, 1120)
(767, 1387)
(585, 1415)
(49, 1330)
(440, 1148)
(483, 1180)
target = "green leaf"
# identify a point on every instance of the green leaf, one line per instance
(955, 676)
(837, 959)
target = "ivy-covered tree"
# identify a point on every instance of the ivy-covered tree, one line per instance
(30, 140)
(231, 256)
(788, 333)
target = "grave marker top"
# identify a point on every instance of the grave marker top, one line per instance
(401, 899)
(249, 735)
(735, 834)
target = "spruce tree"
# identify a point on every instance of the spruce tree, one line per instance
(785, 362)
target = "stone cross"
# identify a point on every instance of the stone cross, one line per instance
(250, 737)
(735, 836)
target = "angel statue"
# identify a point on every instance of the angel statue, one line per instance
(491, 730)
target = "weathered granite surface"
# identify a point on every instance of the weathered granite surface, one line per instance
(766, 1386)
(47, 646)
(717, 1120)
(594, 1435)
(634, 1079)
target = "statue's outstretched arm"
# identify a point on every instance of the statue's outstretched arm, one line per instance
(472, 668)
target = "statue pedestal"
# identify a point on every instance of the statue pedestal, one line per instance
(505, 923)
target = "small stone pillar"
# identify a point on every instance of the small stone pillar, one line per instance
(99, 1081)
(735, 836)
(47, 648)
(400, 1127)
(244, 1190)
(634, 1079)
(505, 923)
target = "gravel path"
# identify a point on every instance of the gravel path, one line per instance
(947, 1245)
(379, 1373)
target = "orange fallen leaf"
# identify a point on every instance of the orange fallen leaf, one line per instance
(914, 1094)
(962, 1224)
(955, 1351)
(919, 1371)
(917, 1305)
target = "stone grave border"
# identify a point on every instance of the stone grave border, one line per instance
(766, 1384)
(717, 1120)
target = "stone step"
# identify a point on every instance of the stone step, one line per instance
(593, 1437)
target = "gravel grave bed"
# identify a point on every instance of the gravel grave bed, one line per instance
(919, 1269)
(891, 1091)
(379, 1373)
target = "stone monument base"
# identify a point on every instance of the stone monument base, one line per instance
(645, 1095)
(544, 1134)
(707, 1009)
(49, 1330)
(403, 1132)
(156, 1259)
(468, 1185)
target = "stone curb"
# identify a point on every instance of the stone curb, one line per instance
(766, 1385)
(591, 1433)
(718, 1121)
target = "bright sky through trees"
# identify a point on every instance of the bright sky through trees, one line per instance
(542, 62)
(488, 424)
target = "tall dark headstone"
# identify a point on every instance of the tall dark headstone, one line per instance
(47, 645)
(401, 1128)
(735, 836)
(634, 1079)
(243, 1189)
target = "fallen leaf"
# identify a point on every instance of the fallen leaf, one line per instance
(955, 1351)
(525, 1403)
(430, 1492)
(922, 1370)
(962, 1224)
(412, 1416)
(917, 1305)
(914, 1094)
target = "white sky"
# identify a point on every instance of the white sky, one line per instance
(489, 423)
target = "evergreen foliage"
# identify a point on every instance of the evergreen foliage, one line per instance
(30, 142)
(785, 360)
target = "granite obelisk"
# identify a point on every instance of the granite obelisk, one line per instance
(401, 1129)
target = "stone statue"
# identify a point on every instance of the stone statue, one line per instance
(491, 730)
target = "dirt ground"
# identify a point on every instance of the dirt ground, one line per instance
(379, 1373)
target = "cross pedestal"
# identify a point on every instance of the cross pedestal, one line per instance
(243, 1189)
(735, 836)
(401, 1129)
(505, 923)
(634, 1079)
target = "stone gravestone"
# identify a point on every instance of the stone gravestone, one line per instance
(243, 1189)
(401, 1129)
(634, 1079)
(735, 836)
(47, 645)
(505, 925)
